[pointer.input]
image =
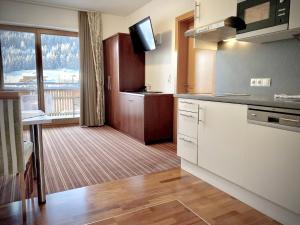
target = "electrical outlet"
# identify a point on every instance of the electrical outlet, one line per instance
(253, 82)
(266, 82)
(260, 82)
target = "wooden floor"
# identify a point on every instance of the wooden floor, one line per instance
(131, 197)
(170, 213)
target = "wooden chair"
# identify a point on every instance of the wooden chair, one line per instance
(14, 154)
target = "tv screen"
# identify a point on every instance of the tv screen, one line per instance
(142, 36)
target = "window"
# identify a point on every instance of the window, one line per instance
(19, 67)
(44, 66)
(60, 56)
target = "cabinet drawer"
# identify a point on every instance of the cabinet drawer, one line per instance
(188, 123)
(188, 105)
(187, 148)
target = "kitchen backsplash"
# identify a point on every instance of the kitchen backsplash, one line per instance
(238, 62)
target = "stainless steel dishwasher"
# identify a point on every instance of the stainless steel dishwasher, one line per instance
(281, 118)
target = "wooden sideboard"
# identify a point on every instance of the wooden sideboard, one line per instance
(147, 117)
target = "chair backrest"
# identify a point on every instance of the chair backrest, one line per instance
(11, 138)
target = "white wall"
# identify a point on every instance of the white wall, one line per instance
(161, 63)
(17, 13)
(113, 24)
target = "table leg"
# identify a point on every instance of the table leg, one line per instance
(39, 153)
(31, 128)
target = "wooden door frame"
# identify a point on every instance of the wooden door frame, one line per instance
(182, 22)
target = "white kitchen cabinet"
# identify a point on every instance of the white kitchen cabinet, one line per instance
(187, 148)
(188, 123)
(188, 105)
(210, 11)
(294, 15)
(221, 136)
(261, 159)
(187, 129)
(272, 165)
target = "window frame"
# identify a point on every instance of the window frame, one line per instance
(39, 61)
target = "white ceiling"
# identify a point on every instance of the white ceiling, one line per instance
(116, 7)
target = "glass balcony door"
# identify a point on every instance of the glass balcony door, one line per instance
(60, 57)
(19, 65)
(44, 66)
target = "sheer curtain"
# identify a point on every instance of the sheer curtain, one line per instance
(91, 69)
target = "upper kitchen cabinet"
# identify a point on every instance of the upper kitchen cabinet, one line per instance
(210, 11)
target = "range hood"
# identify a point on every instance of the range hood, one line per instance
(218, 31)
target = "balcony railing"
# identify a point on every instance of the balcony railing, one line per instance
(62, 100)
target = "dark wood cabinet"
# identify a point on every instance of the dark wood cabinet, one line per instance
(123, 71)
(147, 117)
(132, 115)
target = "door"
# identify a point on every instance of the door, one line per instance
(43, 65)
(60, 64)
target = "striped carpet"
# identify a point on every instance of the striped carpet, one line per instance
(77, 157)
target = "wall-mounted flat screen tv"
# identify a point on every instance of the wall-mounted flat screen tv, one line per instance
(142, 36)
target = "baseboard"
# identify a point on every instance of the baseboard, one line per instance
(270, 209)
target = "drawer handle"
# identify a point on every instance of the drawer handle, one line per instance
(253, 114)
(184, 102)
(290, 120)
(188, 141)
(188, 116)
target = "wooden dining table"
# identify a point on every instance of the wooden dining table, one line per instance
(35, 119)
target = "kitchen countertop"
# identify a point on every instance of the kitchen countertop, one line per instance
(145, 93)
(245, 100)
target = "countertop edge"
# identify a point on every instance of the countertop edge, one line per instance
(242, 100)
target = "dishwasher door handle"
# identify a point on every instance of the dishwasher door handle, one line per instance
(290, 120)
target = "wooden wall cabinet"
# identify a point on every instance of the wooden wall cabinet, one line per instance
(123, 71)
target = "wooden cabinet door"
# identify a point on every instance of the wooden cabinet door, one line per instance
(111, 74)
(132, 66)
(107, 72)
(132, 115)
